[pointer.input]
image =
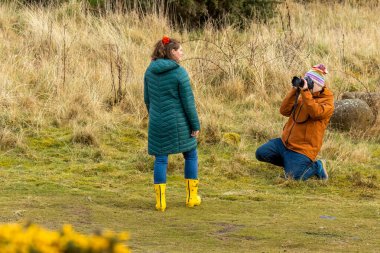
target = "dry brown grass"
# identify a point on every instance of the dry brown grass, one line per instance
(341, 149)
(9, 140)
(85, 136)
(64, 67)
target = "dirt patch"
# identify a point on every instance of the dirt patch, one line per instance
(322, 234)
(227, 228)
(82, 213)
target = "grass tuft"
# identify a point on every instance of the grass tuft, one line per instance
(9, 140)
(85, 136)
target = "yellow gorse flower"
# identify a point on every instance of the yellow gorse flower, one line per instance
(16, 238)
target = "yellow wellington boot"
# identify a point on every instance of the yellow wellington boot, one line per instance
(160, 196)
(192, 198)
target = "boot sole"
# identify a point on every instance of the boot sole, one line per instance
(192, 205)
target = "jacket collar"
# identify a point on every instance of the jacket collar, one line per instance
(323, 93)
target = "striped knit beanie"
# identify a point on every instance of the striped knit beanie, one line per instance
(317, 74)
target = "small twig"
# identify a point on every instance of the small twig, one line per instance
(208, 60)
(342, 57)
(64, 54)
(265, 62)
(119, 66)
(113, 88)
(357, 79)
(289, 19)
(50, 31)
(227, 56)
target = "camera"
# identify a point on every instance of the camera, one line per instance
(298, 82)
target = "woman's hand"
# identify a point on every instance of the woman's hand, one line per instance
(195, 133)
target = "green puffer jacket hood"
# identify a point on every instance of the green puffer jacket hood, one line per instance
(160, 66)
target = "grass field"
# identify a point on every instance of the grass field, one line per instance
(71, 153)
(247, 206)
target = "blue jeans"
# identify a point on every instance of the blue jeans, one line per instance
(296, 165)
(191, 166)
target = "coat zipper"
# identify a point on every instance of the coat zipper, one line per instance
(290, 131)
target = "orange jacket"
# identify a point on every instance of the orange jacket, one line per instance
(312, 114)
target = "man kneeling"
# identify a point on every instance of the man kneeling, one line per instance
(302, 136)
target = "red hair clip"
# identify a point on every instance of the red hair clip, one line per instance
(165, 40)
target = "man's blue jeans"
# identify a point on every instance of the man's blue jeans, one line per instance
(296, 165)
(191, 166)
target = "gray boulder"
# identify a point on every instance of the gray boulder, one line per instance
(352, 114)
(371, 98)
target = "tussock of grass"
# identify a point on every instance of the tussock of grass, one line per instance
(363, 181)
(9, 140)
(211, 133)
(85, 136)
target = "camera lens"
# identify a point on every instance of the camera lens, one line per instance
(297, 82)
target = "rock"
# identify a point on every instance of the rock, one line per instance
(327, 217)
(371, 98)
(352, 114)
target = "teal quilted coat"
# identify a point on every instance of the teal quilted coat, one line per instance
(171, 107)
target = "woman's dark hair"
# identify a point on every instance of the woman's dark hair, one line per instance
(164, 51)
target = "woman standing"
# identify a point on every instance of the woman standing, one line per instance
(173, 119)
